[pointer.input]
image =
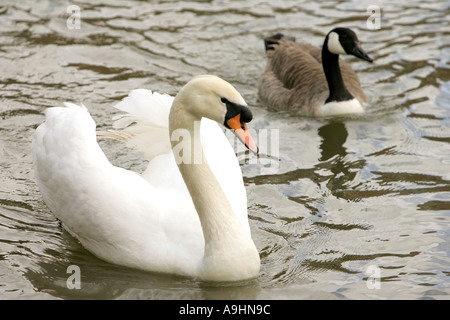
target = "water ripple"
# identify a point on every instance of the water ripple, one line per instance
(348, 193)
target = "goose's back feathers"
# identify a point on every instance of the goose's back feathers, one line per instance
(294, 78)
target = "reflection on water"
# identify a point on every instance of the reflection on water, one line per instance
(333, 136)
(347, 195)
(120, 283)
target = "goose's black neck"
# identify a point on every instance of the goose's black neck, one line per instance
(330, 63)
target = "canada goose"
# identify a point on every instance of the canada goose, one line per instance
(187, 218)
(303, 77)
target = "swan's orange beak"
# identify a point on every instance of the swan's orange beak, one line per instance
(241, 131)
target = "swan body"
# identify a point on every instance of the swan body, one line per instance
(300, 76)
(178, 217)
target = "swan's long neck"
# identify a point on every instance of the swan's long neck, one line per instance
(229, 251)
(330, 63)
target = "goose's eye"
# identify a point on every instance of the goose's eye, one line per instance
(224, 100)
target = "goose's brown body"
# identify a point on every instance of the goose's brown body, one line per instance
(294, 78)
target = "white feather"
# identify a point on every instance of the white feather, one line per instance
(340, 107)
(145, 112)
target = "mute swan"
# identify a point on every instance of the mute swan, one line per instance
(303, 77)
(189, 220)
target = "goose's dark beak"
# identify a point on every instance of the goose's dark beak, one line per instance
(241, 131)
(359, 52)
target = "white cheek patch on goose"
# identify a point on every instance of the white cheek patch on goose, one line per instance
(334, 46)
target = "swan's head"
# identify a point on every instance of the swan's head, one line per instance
(345, 41)
(212, 97)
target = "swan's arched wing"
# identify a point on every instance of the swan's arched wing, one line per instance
(144, 125)
(114, 213)
(77, 181)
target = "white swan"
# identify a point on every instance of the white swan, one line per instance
(194, 223)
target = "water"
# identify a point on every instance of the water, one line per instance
(357, 208)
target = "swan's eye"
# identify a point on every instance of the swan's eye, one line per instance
(224, 100)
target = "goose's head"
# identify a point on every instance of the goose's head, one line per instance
(345, 41)
(214, 98)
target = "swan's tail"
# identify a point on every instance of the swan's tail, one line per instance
(65, 152)
(144, 125)
(66, 130)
